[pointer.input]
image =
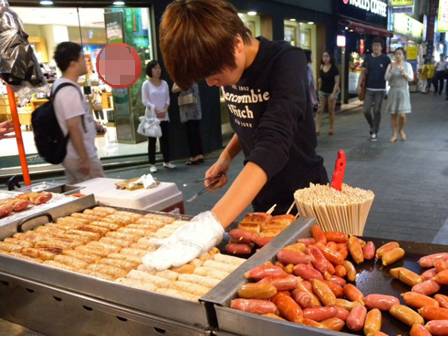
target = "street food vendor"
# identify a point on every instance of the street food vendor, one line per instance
(264, 84)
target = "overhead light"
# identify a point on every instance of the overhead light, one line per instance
(46, 3)
(252, 13)
(346, 28)
(118, 3)
(310, 22)
(292, 20)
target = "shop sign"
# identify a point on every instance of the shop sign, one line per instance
(442, 25)
(408, 26)
(402, 3)
(412, 52)
(373, 6)
(373, 12)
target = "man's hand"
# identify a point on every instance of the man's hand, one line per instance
(84, 166)
(5, 128)
(161, 114)
(216, 175)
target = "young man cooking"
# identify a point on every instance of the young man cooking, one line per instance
(265, 88)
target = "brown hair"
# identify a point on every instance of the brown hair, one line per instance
(197, 38)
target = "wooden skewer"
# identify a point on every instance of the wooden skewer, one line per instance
(271, 210)
(291, 207)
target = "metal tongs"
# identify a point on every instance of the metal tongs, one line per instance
(212, 180)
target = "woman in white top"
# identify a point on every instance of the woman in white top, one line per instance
(399, 74)
(156, 99)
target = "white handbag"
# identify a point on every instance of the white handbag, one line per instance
(149, 127)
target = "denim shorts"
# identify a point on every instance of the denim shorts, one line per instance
(324, 94)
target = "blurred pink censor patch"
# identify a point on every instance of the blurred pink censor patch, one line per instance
(119, 65)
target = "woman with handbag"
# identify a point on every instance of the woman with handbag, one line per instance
(156, 99)
(191, 115)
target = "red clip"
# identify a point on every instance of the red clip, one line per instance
(339, 171)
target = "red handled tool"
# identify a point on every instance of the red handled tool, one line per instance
(339, 171)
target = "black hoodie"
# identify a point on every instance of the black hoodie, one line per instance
(271, 113)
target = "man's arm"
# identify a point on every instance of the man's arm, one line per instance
(241, 194)
(233, 148)
(75, 130)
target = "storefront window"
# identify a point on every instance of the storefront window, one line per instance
(303, 35)
(116, 111)
(253, 22)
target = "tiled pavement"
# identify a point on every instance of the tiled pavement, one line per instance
(410, 179)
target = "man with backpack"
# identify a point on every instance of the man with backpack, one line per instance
(74, 118)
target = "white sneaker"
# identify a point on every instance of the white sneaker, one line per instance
(373, 137)
(152, 169)
(169, 165)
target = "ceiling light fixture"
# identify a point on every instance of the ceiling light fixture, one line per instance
(119, 3)
(252, 13)
(46, 3)
(292, 20)
(310, 22)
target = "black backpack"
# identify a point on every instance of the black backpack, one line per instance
(50, 140)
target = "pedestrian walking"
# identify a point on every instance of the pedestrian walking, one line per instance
(190, 114)
(74, 117)
(439, 78)
(156, 99)
(428, 71)
(399, 74)
(312, 91)
(372, 76)
(328, 85)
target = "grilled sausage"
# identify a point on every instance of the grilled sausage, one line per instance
(406, 315)
(373, 322)
(287, 307)
(254, 306)
(428, 287)
(356, 318)
(380, 301)
(417, 300)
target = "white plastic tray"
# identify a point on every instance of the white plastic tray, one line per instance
(154, 199)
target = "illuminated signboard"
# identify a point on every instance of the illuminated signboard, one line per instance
(442, 21)
(369, 11)
(402, 3)
(406, 25)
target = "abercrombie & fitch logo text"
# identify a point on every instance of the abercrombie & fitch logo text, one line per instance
(241, 104)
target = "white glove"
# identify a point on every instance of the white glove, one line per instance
(198, 236)
(171, 255)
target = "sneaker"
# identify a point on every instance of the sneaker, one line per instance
(169, 165)
(152, 169)
(373, 137)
